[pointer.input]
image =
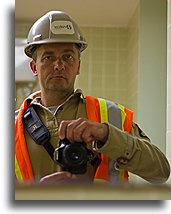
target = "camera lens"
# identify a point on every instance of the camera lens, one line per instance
(72, 157)
(75, 154)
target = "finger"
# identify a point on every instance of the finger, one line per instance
(71, 127)
(73, 176)
(95, 131)
(87, 135)
(78, 130)
(70, 130)
(63, 128)
(56, 177)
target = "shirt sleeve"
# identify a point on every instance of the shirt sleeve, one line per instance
(134, 152)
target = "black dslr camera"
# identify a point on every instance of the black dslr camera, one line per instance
(73, 157)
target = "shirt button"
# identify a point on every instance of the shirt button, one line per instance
(127, 154)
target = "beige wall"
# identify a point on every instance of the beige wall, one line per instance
(104, 65)
(133, 62)
(168, 136)
(152, 75)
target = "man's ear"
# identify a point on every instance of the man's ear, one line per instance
(33, 68)
(78, 70)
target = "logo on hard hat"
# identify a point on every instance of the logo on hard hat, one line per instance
(62, 27)
(68, 27)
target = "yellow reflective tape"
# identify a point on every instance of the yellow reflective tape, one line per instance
(103, 110)
(121, 175)
(123, 115)
(100, 180)
(17, 170)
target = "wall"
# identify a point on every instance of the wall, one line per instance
(153, 71)
(104, 63)
(132, 62)
(168, 136)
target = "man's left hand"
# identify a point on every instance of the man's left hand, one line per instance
(83, 130)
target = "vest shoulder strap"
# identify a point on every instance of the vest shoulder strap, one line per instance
(23, 168)
(101, 110)
(92, 109)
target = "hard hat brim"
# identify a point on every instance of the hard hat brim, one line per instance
(29, 48)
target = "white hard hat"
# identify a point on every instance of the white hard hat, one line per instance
(54, 27)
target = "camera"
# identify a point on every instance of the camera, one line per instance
(73, 157)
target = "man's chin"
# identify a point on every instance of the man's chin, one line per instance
(57, 88)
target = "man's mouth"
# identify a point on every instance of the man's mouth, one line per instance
(58, 77)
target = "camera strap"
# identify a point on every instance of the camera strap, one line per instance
(41, 135)
(37, 130)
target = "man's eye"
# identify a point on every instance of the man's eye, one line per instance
(48, 58)
(68, 57)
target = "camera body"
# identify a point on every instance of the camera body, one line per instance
(73, 157)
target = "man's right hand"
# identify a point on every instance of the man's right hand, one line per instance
(58, 177)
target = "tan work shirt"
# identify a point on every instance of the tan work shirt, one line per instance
(132, 152)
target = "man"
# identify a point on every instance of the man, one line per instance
(55, 43)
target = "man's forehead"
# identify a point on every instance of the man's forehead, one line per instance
(58, 47)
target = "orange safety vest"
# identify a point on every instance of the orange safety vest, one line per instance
(98, 110)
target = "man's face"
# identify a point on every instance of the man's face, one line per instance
(56, 66)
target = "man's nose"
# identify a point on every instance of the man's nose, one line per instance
(58, 64)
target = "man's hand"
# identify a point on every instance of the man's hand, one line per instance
(83, 130)
(58, 177)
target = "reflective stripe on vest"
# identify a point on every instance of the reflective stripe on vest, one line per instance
(98, 110)
(23, 168)
(119, 116)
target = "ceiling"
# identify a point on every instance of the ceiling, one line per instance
(84, 12)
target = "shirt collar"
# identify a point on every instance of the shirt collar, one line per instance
(35, 97)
